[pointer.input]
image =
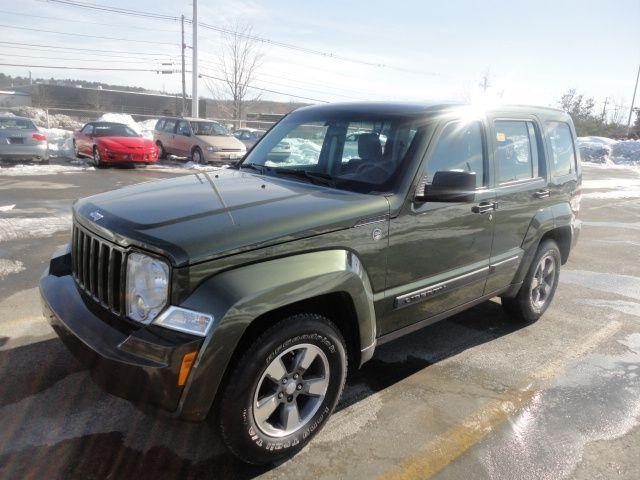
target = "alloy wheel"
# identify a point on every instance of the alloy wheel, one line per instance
(291, 390)
(543, 281)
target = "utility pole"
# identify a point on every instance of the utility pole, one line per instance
(194, 62)
(603, 117)
(184, 91)
(635, 90)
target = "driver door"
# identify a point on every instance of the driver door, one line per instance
(439, 250)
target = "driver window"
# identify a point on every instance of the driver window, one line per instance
(459, 148)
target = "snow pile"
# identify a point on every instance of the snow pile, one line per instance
(594, 152)
(39, 117)
(24, 170)
(609, 151)
(146, 127)
(60, 142)
(301, 152)
(626, 152)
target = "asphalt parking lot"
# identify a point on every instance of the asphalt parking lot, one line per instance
(476, 396)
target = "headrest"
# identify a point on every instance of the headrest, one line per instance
(369, 147)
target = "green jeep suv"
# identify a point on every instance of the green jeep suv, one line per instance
(242, 296)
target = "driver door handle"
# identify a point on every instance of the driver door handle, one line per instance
(484, 207)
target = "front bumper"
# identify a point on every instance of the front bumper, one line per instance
(122, 157)
(223, 157)
(139, 364)
(24, 152)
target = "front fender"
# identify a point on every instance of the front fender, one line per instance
(237, 297)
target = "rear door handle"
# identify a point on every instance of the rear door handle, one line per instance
(484, 207)
(542, 194)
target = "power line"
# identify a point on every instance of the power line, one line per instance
(82, 49)
(264, 89)
(93, 53)
(2, 55)
(86, 36)
(85, 22)
(227, 31)
(122, 11)
(95, 69)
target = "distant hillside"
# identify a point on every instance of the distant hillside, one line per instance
(7, 81)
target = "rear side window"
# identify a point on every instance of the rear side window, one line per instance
(16, 124)
(160, 124)
(563, 154)
(460, 147)
(517, 150)
(169, 125)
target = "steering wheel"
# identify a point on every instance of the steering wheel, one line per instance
(368, 166)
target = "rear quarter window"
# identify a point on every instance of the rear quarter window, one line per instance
(563, 152)
(169, 125)
(159, 124)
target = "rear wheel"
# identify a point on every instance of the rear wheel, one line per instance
(539, 286)
(283, 389)
(161, 153)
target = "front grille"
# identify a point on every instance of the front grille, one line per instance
(99, 269)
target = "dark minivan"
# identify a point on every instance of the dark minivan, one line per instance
(242, 295)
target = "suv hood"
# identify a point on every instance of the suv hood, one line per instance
(198, 217)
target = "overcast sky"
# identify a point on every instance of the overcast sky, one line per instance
(532, 51)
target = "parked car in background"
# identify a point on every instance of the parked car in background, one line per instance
(204, 141)
(248, 136)
(21, 140)
(113, 143)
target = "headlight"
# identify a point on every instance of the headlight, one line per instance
(147, 287)
(211, 148)
(184, 320)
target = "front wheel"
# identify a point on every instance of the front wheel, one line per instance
(283, 389)
(197, 156)
(97, 159)
(539, 286)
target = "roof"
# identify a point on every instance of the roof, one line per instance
(422, 108)
(15, 117)
(188, 119)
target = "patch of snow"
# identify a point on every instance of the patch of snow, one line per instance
(146, 127)
(6, 208)
(8, 267)
(60, 142)
(599, 140)
(40, 118)
(594, 152)
(301, 152)
(21, 170)
(180, 167)
(19, 228)
(626, 152)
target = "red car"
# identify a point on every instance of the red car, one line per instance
(113, 143)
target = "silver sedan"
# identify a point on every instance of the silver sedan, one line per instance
(21, 140)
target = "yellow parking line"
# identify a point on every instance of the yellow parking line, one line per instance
(439, 453)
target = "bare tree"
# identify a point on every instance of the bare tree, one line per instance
(240, 60)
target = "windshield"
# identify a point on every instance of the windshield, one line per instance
(16, 124)
(209, 129)
(360, 153)
(114, 130)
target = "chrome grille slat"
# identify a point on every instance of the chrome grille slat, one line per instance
(99, 269)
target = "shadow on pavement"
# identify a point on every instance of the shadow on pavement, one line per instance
(57, 424)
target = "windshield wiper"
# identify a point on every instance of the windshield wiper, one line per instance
(315, 177)
(254, 166)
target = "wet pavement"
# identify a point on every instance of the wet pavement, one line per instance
(475, 396)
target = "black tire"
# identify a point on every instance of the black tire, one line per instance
(76, 153)
(523, 306)
(97, 160)
(240, 431)
(161, 152)
(197, 156)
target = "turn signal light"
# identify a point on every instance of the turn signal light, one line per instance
(185, 368)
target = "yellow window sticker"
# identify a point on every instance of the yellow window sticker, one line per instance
(501, 137)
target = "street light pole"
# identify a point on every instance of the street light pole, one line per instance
(194, 63)
(184, 88)
(635, 90)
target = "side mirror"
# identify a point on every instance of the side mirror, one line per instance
(453, 186)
